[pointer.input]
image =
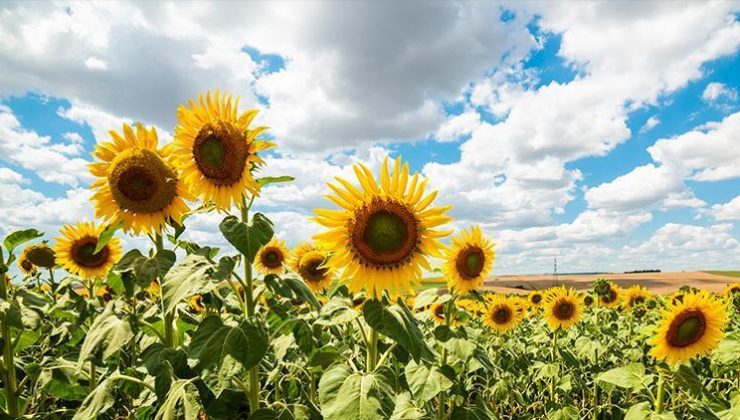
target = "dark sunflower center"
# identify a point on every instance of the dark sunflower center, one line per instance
(83, 253)
(220, 152)
(142, 182)
(27, 265)
(311, 268)
(536, 298)
(502, 315)
(469, 262)
(272, 258)
(609, 297)
(677, 299)
(687, 328)
(439, 311)
(564, 311)
(384, 233)
(588, 300)
(42, 256)
(638, 300)
(734, 290)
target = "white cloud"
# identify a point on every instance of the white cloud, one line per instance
(726, 211)
(52, 162)
(457, 126)
(94, 63)
(651, 123)
(715, 91)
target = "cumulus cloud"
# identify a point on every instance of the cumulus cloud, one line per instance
(715, 91)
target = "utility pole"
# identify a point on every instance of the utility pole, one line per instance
(555, 272)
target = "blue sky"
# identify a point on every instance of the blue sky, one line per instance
(534, 120)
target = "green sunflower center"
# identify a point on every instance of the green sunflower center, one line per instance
(311, 268)
(220, 151)
(83, 253)
(141, 182)
(384, 233)
(272, 258)
(502, 315)
(469, 262)
(687, 328)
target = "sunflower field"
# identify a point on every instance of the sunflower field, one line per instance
(332, 329)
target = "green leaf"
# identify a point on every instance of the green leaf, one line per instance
(399, 324)
(146, 269)
(107, 332)
(565, 413)
(336, 312)
(27, 339)
(405, 408)
(728, 351)
(426, 382)
(225, 350)
(19, 237)
(183, 402)
(300, 291)
(97, 403)
(247, 238)
(347, 395)
(642, 411)
(196, 274)
(267, 180)
(325, 356)
(631, 376)
(106, 236)
(10, 314)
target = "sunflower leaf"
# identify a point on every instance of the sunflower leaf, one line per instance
(19, 237)
(399, 324)
(196, 274)
(267, 180)
(107, 235)
(247, 238)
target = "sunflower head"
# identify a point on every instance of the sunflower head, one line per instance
(636, 295)
(384, 231)
(272, 257)
(535, 298)
(45, 288)
(24, 263)
(105, 293)
(153, 292)
(75, 251)
(502, 313)
(311, 262)
(588, 300)
(732, 290)
(611, 297)
(689, 328)
(437, 311)
(562, 308)
(468, 261)
(135, 183)
(40, 255)
(196, 304)
(216, 150)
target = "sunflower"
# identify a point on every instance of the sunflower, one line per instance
(732, 289)
(468, 261)
(135, 184)
(40, 255)
(612, 297)
(588, 300)
(153, 292)
(311, 263)
(535, 298)
(81, 290)
(358, 301)
(216, 151)
(676, 298)
(384, 232)
(689, 328)
(562, 308)
(25, 264)
(75, 251)
(196, 304)
(271, 257)
(635, 295)
(502, 314)
(437, 311)
(105, 293)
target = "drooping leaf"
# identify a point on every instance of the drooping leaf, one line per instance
(19, 237)
(728, 351)
(405, 408)
(223, 351)
(196, 274)
(108, 332)
(183, 402)
(144, 268)
(98, 402)
(425, 382)
(267, 180)
(347, 395)
(632, 376)
(397, 322)
(106, 235)
(247, 238)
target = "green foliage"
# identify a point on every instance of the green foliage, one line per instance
(247, 238)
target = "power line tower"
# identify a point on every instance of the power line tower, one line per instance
(555, 271)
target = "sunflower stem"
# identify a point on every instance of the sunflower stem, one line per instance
(661, 392)
(167, 317)
(447, 313)
(372, 350)
(11, 395)
(254, 372)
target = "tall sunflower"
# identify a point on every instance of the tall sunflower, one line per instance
(216, 151)
(384, 232)
(635, 295)
(41, 255)
(468, 260)
(75, 251)
(535, 298)
(689, 328)
(136, 184)
(502, 314)
(437, 311)
(311, 262)
(562, 308)
(612, 297)
(272, 257)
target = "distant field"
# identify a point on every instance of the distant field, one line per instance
(662, 283)
(725, 273)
